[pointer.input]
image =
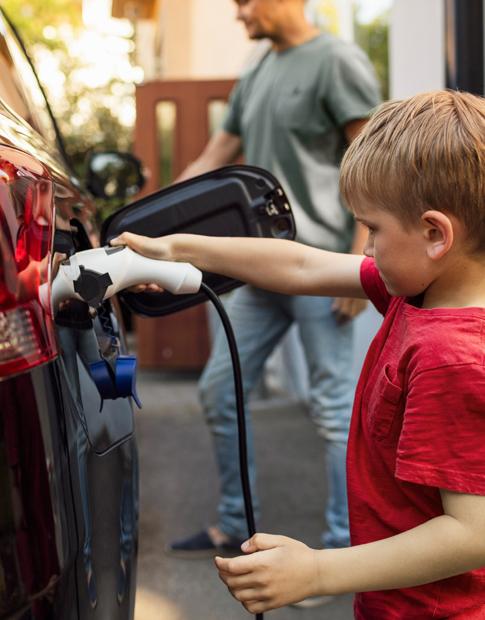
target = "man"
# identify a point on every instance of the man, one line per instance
(293, 114)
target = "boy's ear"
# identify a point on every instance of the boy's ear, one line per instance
(439, 233)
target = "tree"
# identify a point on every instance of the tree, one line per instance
(32, 17)
(372, 37)
(88, 117)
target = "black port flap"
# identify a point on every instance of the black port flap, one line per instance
(234, 201)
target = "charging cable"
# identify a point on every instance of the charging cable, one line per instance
(95, 275)
(241, 419)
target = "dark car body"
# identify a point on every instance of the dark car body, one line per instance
(68, 516)
(68, 459)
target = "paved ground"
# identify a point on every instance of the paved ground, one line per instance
(178, 497)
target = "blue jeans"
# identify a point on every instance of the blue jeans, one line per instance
(260, 319)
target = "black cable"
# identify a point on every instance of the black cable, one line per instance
(241, 419)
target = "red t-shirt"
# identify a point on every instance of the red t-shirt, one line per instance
(418, 425)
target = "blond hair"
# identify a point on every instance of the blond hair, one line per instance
(425, 152)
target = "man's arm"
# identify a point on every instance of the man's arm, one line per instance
(346, 308)
(352, 130)
(280, 570)
(222, 149)
(277, 265)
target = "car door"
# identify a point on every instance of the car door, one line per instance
(68, 468)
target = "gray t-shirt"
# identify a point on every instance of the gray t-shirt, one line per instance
(290, 111)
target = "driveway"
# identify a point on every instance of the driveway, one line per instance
(179, 491)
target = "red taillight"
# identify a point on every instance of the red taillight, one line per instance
(26, 329)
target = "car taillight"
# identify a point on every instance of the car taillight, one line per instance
(26, 328)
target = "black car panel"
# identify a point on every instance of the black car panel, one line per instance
(20, 88)
(38, 527)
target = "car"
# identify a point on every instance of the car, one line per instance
(68, 471)
(68, 454)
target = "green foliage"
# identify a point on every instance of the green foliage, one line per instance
(86, 117)
(373, 39)
(31, 17)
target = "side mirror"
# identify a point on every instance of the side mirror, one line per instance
(110, 174)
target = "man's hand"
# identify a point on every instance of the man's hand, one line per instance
(222, 149)
(347, 308)
(279, 571)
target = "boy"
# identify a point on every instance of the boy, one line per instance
(416, 454)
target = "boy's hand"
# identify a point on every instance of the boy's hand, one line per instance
(279, 571)
(145, 288)
(158, 247)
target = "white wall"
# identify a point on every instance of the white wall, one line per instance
(201, 39)
(220, 45)
(417, 47)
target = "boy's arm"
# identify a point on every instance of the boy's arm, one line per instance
(274, 264)
(284, 570)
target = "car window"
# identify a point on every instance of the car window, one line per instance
(19, 87)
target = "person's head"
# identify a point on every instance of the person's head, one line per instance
(268, 19)
(420, 164)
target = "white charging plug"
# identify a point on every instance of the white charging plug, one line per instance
(95, 275)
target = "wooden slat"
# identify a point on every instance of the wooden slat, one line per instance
(179, 341)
